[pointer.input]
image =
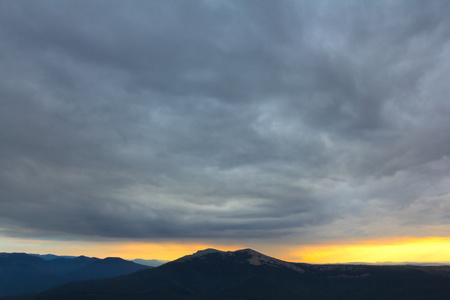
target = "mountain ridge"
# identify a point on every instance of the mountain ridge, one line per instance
(22, 273)
(248, 274)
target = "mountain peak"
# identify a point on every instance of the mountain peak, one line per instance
(248, 255)
(206, 251)
(199, 253)
(249, 251)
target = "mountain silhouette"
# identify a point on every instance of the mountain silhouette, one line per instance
(22, 273)
(248, 274)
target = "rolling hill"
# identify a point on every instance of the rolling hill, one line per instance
(247, 274)
(22, 273)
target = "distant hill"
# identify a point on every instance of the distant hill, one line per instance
(247, 274)
(51, 256)
(145, 262)
(22, 273)
(150, 262)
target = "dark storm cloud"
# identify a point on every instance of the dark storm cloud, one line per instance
(223, 119)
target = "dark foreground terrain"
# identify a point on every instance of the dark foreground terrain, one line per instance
(247, 274)
(22, 273)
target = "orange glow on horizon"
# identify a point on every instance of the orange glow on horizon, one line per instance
(429, 249)
(126, 250)
(162, 251)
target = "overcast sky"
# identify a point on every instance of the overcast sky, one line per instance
(224, 120)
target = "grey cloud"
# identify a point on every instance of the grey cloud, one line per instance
(220, 119)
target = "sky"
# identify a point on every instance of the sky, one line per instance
(313, 131)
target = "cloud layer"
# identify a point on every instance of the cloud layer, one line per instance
(224, 119)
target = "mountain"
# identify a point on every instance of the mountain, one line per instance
(51, 256)
(247, 274)
(22, 273)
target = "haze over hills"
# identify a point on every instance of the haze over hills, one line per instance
(22, 273)
(149, 262)
(51, 256)
(248, 274)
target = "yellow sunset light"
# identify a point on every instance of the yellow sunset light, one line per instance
(430, 249)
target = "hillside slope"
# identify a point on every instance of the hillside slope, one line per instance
(247, 274)
(22, 273)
